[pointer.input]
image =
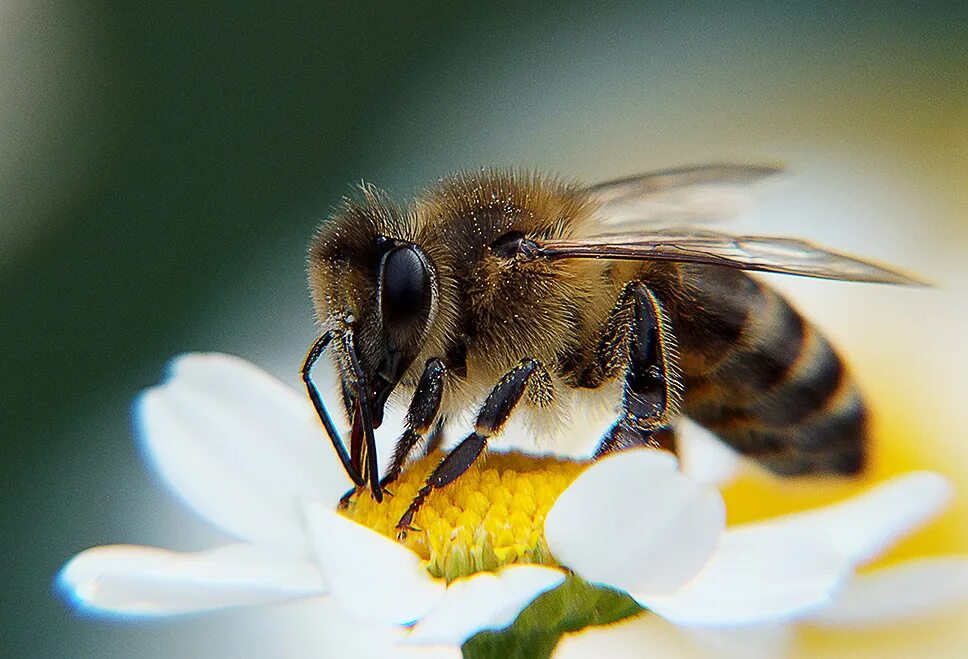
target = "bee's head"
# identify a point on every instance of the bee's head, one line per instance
(376, 287)
(393, 328)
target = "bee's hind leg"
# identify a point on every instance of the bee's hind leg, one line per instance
(652, 391)
(624, 435)
(492, 417)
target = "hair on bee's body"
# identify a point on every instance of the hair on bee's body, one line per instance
(491, 311)
(504, 290)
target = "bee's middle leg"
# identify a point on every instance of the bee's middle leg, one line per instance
(421, 415)
(652, 389)
(492, 417)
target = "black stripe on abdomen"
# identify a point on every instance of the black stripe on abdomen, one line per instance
(831, 440)
(781, 395)
(768, 350)
(806, 388)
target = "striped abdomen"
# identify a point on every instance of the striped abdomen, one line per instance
(762, 378)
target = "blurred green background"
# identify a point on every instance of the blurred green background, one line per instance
(162, 166)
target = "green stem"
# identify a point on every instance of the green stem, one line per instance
(572, 606)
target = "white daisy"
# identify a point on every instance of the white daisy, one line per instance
(246, 453)
(730, 610)
(881, 599)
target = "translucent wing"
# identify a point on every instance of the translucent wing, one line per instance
(679, 196)
(763, 253)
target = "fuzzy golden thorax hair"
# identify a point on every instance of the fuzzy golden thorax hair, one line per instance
(496, 310)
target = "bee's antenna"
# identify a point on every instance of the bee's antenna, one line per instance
(319, 345)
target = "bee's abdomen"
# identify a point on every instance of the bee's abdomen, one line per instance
(766, 381)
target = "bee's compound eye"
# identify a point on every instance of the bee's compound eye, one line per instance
(405, 284)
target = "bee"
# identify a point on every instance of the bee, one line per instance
(508, 291)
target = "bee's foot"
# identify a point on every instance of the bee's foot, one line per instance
(403, 530)
(386, 482)
(405, 525)
(344, 501)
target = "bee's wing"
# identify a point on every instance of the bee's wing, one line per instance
(678, 196)
(764, 253)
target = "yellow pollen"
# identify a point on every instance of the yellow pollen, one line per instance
(491, 516)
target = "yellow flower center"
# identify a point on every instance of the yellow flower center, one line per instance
(491, 516)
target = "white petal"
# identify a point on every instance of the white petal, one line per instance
(371, 576)
(785, 567)
(903, 591)
(651, 636)
(642, 636)
(633, 521)
(242, 449)
(760, 574)
(483, 601)
(319, 628)
(705, 458)
(751, 642)
(863, 527)
(146, 581)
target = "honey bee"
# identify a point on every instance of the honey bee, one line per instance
(507, 291)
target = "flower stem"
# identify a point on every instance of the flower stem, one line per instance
(572, 606)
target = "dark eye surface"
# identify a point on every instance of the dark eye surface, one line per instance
(406, 284)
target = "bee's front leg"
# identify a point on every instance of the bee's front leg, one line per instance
(312, 357)
(492, 417)
(344, 501)
(652, 390)
(424, 406)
